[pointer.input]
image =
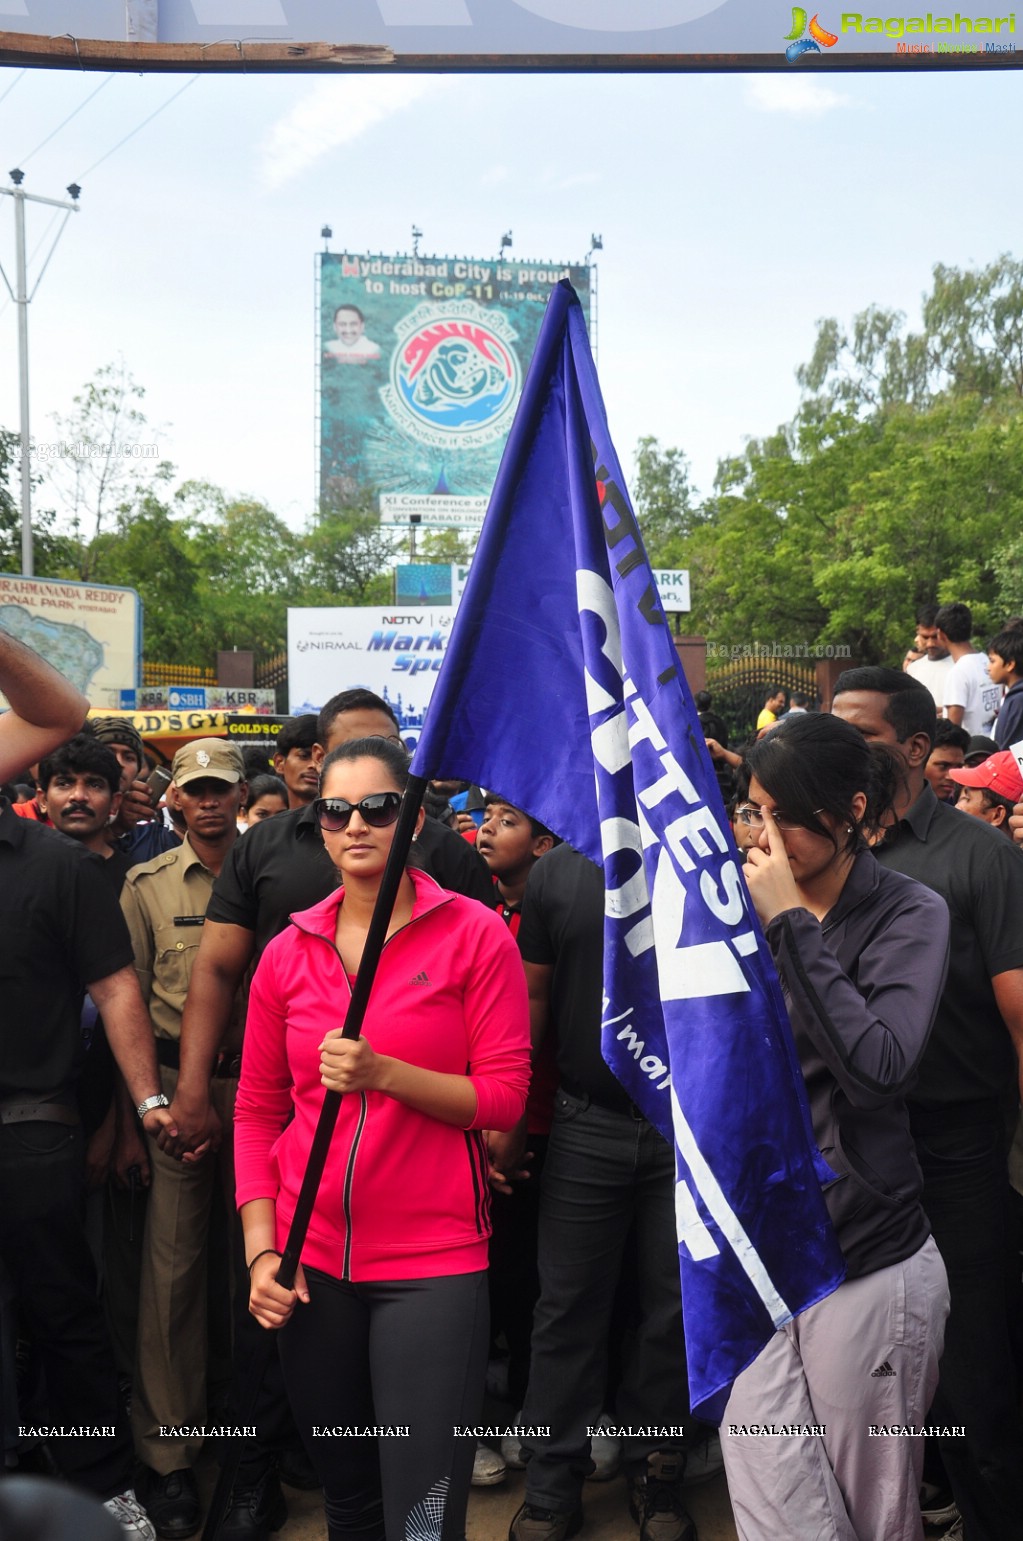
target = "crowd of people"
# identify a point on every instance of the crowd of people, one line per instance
(495, 1216)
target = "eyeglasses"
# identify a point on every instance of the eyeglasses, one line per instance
(378, 810)
(754, 819)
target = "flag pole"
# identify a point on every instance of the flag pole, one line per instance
(354, 1017)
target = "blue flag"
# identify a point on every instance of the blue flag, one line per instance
(561, 689)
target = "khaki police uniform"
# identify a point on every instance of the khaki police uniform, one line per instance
(164, 902)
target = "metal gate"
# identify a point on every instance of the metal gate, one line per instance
(740, 687)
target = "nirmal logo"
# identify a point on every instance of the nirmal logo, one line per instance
(798, 44)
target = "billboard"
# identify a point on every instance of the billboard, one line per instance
(90, 632)
(248, 35)
(396, 653)
(421, 365)
(423, 583)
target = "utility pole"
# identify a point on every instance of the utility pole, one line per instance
(23, 299)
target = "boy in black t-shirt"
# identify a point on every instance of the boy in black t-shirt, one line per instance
(511, 843)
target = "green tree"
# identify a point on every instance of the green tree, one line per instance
(973, 322)
(109, 457)
(248, 560)
(900, 481)
(971, 344)
(150, 550)
(838, 535)
(666, 507)
(347, 555)
(52, 553)
(444, 546)
(1007, 562)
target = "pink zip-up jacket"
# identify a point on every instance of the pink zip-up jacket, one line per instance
(403, 1195)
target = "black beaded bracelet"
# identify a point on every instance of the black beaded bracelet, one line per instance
(264, 1252)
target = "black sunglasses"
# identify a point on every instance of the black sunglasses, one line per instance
(378, 810)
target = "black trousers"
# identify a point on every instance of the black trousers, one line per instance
(608, 1183)
(49, 1266)
(409, 1354)
(514, 1280)
(967, 1199)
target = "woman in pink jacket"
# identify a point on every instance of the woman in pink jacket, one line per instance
(385, 1350)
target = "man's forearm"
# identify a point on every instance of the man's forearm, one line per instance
(1008, 988)
(204, 1025)
(45, 709)
(129, 1031)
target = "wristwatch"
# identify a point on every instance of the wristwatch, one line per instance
(158, 1101)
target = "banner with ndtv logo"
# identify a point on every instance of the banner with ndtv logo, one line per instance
(394, 651)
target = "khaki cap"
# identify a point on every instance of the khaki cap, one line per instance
(211, 758)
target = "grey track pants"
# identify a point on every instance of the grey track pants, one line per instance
(863, 1360)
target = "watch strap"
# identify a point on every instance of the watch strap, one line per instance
(157, 1101)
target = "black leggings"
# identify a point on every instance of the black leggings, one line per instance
(407, 1353)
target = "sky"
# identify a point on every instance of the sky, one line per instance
(736, 211)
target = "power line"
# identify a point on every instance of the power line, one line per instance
(26, 158)
(19, 76)
(38, 246)
(141, 126)
(5, 307)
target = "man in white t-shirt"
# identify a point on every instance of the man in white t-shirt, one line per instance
(971, 699)
(932, 669)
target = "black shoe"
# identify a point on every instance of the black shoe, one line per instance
(172, 1503)
(255, 1509)
(296, 1469)
(531, 1523)
(655, 1499)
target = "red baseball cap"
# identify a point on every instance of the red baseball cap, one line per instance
(999, 773)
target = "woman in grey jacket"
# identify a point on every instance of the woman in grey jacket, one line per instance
(861, 953)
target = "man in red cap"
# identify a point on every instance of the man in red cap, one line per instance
(991, 789)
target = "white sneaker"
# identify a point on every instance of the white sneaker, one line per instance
(937, 1506)
(131, 1516)
(956, 1532)
(488, 1469)
(704, 1459)
(605, 1452)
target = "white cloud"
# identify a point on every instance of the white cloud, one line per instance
(794, 94)
(575, 179)
(494, 176)
(335, 113)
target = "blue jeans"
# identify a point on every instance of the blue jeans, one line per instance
(966, 1196)
(608, 1182)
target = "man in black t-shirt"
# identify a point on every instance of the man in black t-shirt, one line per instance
(609, 1181)
(965, 1098)
(61, 930)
